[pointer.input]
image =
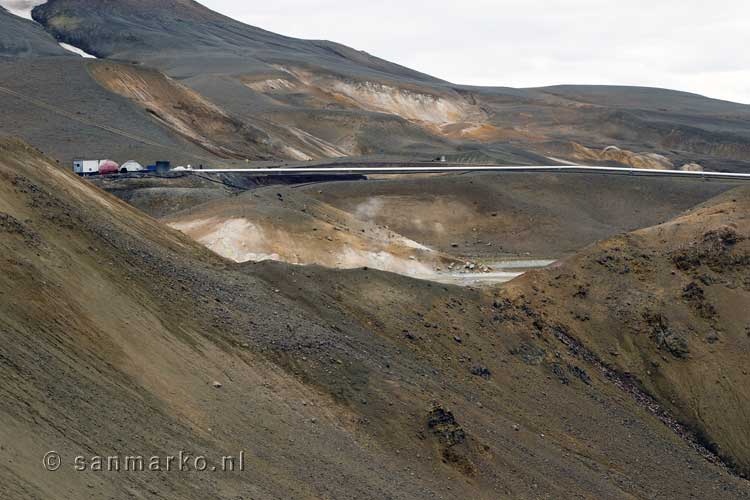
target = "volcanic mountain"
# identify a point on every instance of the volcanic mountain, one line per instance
(238, 92)
(19, 38)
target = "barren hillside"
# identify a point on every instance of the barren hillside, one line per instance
(283, 224)
(475, 216)
(495, 215)
(290, 323)
(121, 336)
(667, 307)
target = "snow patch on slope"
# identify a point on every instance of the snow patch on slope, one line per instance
(21, 8)
(76, 50)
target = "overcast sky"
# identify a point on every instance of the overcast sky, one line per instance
(694, 45)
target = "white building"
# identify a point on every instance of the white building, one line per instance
(131, 166)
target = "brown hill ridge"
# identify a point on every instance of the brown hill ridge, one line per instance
(122, 336)
(666, 308)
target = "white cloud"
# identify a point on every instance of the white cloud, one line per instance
(689, 45)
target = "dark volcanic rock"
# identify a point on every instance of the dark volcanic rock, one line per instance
(23, 38)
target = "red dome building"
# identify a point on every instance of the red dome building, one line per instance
(107, 167)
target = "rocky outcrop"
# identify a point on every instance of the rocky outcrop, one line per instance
(648, 161)
(665, 308)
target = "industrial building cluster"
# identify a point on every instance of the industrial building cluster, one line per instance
(110, 167)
